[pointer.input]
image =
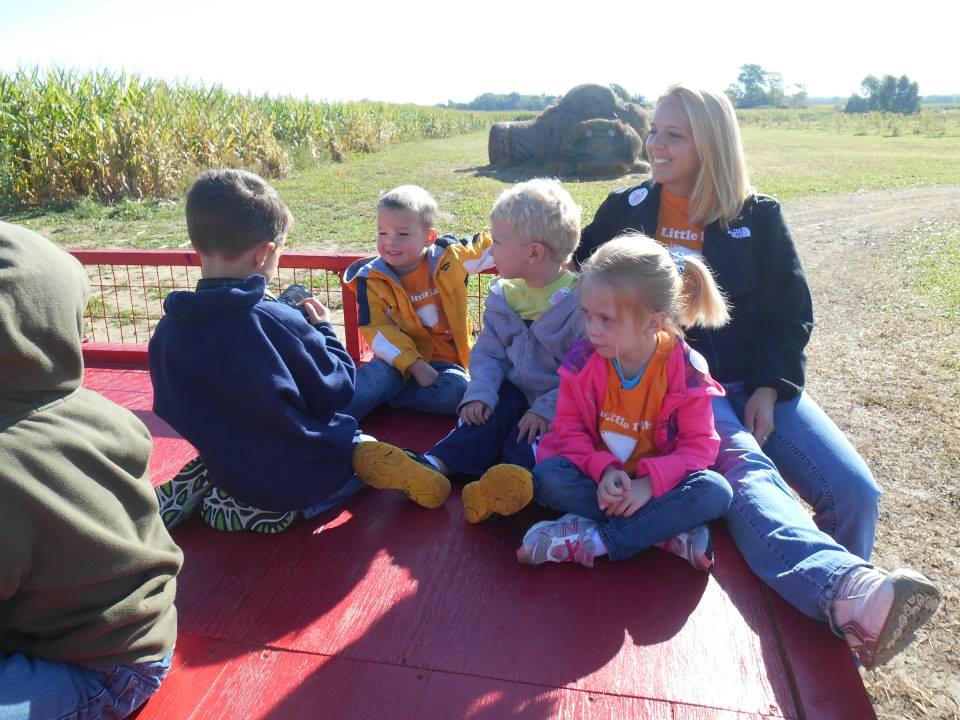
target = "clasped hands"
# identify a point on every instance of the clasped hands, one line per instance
(619, 494)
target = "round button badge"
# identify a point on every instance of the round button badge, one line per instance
(637, 197)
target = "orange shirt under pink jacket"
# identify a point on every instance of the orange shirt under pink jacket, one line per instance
(685, 435)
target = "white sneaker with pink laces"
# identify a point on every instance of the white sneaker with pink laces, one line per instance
(566, 539)
(879, 612)
(695, 546)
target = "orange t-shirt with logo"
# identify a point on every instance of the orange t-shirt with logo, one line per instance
(629, 417)
(673, 227)
(426, 302)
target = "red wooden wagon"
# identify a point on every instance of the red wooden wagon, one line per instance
(381, 609)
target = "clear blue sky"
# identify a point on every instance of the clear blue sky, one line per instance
(431, 51)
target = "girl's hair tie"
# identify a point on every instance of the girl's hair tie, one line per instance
(678, 260)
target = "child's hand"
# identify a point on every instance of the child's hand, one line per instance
(531, 425)
(475, 412)
(423, 373)
(613, 485)
(316, 311)
(637, 495)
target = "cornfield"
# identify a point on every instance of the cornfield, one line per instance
(66, 135)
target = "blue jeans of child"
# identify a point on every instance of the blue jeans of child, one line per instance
(703, 496)
(773, 531)
(35, 689)
(819, 463)
(377, 382)
(474, 449)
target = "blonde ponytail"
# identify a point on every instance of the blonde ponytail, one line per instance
(702, 304)
(642, 273)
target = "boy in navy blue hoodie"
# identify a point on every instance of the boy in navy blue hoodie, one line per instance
(254, 384)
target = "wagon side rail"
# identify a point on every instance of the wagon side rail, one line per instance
(129, 286)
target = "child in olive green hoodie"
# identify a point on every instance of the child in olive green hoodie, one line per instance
(87, 570)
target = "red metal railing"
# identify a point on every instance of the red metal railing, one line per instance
(129, 287)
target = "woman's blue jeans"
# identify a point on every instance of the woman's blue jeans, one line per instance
(31, 688)
(703, 496)
(377, 382)
(819, 463)
(775, 534)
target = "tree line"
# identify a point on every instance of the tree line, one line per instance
(516, 101)
(507, 101)
(887, 95)
(756, 87)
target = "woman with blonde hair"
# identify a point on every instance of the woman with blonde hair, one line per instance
(699, 201)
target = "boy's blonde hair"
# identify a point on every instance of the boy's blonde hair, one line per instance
(411, 198)
(642, 273)
(540, 210)
(723, 184)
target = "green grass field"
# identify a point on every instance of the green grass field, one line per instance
(793, 163)
(334, 204)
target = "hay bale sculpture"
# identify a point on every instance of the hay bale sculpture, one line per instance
(589, 132)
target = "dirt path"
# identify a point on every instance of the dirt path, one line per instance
(885, 364)
(887, 211)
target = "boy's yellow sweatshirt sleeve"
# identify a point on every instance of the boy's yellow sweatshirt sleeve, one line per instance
(387, 341)
(475, 255)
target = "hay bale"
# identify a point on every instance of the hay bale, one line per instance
(498, 144)
(602, 141)
(546, 138)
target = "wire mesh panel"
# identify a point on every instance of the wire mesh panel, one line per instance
(127, 300)
(129, 287)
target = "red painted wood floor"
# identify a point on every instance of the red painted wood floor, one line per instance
(382, 609)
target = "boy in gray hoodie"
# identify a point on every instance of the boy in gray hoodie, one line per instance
(531, 319)
(87, 570)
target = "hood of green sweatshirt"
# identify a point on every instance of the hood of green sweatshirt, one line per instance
(43, 293)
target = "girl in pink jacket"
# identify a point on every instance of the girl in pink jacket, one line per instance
(627, 452)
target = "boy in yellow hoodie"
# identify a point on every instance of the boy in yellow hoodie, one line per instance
(412, 301)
